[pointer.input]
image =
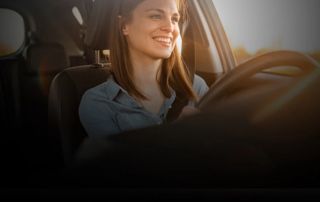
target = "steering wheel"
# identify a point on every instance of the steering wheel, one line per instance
(249, 68)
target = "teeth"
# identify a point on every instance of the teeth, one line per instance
(163, 39)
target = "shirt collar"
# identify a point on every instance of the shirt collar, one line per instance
(112, 89)
(115, 92)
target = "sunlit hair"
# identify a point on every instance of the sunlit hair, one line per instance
(173, 73)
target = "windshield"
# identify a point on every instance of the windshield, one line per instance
(258, 26)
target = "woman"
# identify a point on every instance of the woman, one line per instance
(147, 70)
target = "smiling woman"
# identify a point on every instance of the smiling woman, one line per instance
(147, 70)
(255, 131)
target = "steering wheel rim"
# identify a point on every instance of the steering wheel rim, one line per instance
(256, 65)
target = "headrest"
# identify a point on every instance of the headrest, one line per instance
(99, 23)
(46, 57)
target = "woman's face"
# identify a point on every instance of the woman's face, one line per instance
(153, 29)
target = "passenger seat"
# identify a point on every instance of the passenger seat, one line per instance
(43, 61)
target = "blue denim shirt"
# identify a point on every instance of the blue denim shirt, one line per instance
(108, 109)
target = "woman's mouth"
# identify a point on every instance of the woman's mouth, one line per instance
(164, 41)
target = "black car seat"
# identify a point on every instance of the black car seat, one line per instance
(10, 94)
(43, 61)
(65, 94)
(69, 85)
(24, 84)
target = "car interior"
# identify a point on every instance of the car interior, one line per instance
(256, 134)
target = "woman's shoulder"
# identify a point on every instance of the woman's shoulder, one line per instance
(198, 80)
(104, 91)
(199, 85)
(97, 98)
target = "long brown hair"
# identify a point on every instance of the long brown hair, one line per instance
(174, 72)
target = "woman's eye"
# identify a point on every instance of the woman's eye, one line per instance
(155, 16)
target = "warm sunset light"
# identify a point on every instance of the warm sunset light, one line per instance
(278, 24)
(179, 43)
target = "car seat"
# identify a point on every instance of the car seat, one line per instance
(43, 61)
(65, 94)
(69, 85)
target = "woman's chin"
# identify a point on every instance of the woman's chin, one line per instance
(163, 55)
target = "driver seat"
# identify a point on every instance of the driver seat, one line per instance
(65, 95)
(67, 88)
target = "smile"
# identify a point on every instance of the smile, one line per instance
(166, 41)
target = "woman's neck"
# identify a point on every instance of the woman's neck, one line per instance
(145, 71)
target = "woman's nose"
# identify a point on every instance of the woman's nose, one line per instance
(168, 26)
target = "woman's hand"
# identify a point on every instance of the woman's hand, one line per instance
(188, 111)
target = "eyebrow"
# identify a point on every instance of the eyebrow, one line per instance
(161, 11)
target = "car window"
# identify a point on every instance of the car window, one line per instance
(258, 26)
(12, 34)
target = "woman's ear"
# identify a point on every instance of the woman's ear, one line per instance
(124, 27)
(125, 30)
